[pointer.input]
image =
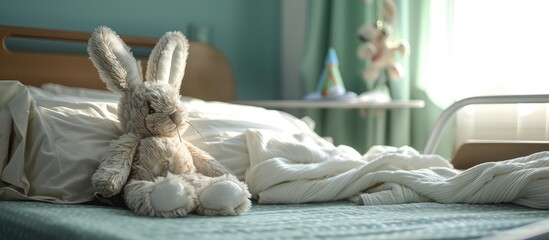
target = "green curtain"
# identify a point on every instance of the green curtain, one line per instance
(333, 23)
(416, 27)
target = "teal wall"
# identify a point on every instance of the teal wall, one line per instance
(247, 31)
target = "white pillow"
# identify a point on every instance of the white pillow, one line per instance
(78, 94)
(77, 125)
(222, 126)
(54, 145)
(219, 126)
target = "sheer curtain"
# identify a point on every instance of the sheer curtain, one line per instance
(485, 47)
(500, 47)
(478, 47)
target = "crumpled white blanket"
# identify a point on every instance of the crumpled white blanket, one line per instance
(299, 168)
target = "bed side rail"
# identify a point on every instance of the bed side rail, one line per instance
(434, 138)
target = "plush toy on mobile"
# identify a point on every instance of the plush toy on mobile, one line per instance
(379, 48)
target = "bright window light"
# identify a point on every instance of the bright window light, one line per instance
(500, 47)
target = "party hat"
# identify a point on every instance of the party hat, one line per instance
(330, 84)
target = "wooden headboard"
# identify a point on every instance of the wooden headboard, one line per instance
(208, 74)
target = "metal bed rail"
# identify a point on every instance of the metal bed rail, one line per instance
(434, 138)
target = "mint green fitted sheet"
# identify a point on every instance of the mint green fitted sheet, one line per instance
(337, 220)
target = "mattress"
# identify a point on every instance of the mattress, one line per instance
(335, 220)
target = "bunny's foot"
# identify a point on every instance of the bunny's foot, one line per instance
(165, 197)
(223, 195)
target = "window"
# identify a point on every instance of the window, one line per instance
(500, 47)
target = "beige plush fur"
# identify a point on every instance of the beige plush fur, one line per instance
(157, 172)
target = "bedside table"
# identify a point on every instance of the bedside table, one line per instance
(334, 104)
(362, 106)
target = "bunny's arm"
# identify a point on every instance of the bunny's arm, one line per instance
(204, 162)
(115, 166)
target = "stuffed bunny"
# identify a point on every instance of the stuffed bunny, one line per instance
(158, 173)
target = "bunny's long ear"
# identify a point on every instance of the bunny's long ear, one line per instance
(168, 59)
(112, 57)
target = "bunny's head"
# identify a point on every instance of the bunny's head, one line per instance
(151, 107)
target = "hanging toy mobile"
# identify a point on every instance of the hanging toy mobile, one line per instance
(380, 50)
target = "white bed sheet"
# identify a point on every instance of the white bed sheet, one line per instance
(300, 168)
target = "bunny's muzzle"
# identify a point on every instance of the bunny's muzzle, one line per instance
(176, 117)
